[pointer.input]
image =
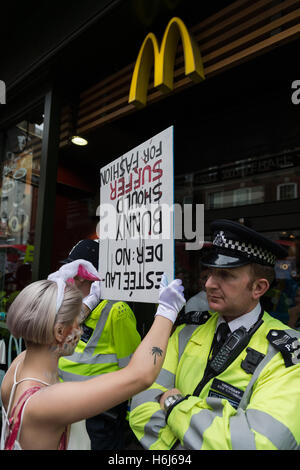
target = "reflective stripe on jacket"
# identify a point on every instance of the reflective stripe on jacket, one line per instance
(266, 417)
(109, 339)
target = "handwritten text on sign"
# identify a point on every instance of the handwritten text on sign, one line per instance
(136, 223)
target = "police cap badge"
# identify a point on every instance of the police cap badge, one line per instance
(236, 245)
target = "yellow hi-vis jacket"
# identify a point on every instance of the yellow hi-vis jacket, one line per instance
(109, 339)
(236, 409)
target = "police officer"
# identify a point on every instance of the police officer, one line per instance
(197, 304)
(109, 339)
(231, 381)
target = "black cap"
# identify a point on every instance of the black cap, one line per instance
(236, 245)
(85, 249)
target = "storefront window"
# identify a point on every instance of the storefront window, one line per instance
(75, 218)
(251, 181)
(287, 191)
(20, 154)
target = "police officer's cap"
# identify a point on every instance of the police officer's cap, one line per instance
(85, 249)
(236, 245)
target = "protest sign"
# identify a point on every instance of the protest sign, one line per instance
(136, 221)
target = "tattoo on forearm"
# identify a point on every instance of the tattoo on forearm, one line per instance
(156, 352)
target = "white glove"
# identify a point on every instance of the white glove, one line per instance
(94, 297)
(171, 299)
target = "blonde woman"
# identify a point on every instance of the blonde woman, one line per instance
(38, 411)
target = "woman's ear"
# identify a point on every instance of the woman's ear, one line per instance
(259, 288)
(60, 332)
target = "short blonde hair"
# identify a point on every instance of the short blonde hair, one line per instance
(32, 315)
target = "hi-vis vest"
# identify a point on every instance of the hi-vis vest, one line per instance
(109, 339)
(238, 409)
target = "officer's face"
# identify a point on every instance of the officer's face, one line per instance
(229, 291)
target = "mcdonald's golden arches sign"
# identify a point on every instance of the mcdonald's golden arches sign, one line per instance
(163, 59)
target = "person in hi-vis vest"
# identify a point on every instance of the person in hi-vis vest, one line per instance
(231, 381)
(109, 339)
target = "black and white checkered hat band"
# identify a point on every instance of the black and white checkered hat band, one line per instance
(247, 249)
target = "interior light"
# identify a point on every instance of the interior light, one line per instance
(79, 140)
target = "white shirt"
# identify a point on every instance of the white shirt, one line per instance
(247, 320)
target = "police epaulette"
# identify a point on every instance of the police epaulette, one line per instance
(193, 318)
(289, 346)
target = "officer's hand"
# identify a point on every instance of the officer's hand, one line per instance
(173, 391)
(171, 299)
(94, 297)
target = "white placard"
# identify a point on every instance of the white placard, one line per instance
(136, 228)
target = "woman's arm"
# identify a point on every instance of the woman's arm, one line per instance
(69, 402)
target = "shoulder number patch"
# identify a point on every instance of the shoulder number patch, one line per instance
(288, 346)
